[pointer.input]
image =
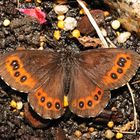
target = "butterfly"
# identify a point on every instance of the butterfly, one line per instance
(85, 78)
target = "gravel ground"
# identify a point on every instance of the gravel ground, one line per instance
(25, 32)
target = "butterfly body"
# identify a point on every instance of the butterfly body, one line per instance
(85, 78)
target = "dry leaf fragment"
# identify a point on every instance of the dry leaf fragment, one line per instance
(126, 127)
(88, 41)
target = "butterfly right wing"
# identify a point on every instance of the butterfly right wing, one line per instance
(85, 98)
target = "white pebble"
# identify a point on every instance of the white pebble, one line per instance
(6, 22)
(70, 23)
(123, 37)
(115, 24)
(60, 17)
(61, 9)
(19, 105)
(109, 134)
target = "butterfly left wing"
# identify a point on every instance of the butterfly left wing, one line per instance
(109, 68)
(38, 73)
(85, 98)
(48, 100)
(25, 70)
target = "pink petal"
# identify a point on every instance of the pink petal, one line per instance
(36, 12)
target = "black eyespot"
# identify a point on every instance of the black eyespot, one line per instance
(42, 99)
(121, 64)
(123, 60)
(89, 103)
(57, 105)
(96, 97)
(49, 104)
(119, 70)
(114, 76)
(17, 74)
(15, 64)
(23, 78)
(99, 92)
(81, 104)
(16, 67)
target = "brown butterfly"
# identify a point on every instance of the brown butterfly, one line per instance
(84, 77)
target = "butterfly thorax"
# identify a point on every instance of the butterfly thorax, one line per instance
(67, 60)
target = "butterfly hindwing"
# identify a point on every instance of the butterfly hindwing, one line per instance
(109, 68)
(85, 98)
(48, 100)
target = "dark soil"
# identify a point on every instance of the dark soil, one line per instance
(24, 32)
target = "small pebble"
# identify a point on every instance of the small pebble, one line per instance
(123, 37)
(28, 0)
(86, 136)
(109, 134)
(113, 109)
(6, 22)
(70, 23)
(60, 17)
(42, 39)
(19, 105)
(104, 32)
(38, 1)
(60, 24)
(76, 33)
(110, 124)
(57, 34)
(81, 12)
(117, 33)
(61, 9)
(42, 44)
(91, 129)
(61, 1)
(15, 110)
(78, 133)
(106, 13)
(22, 114)
(119, 135)
(115, 24)
(13, 104)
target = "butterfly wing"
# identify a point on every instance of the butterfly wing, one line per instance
(85, 98)
(109, 68)
(36, 72)
(48, 100)
(25, 70)
(95, 72)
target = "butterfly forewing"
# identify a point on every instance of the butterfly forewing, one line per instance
(26, 70)
(109, 68)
